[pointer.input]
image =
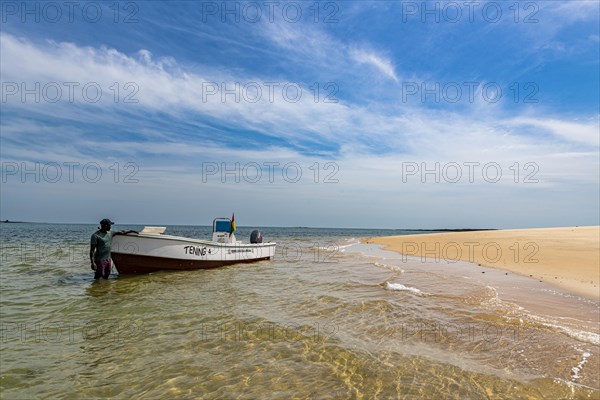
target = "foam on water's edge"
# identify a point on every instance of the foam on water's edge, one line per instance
(352, 241)
(349, 242)
(495, 301)
(389, 266)
(402, 288)
(513, 310)
(578, 334)
(339, 246)
(343, 247)
(494, 298)
(584, 336)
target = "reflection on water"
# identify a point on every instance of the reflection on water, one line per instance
(322, 320)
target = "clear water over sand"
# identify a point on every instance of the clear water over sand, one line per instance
(328, 318)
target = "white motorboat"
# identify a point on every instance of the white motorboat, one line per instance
(151, 250)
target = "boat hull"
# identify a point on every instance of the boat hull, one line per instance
(136, 264)
(144, 253)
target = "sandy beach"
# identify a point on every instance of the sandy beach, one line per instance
(568, 257)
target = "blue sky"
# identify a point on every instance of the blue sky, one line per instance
(333, 114)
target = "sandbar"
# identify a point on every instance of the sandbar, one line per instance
(566, 257)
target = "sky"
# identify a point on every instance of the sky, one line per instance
(362, 114)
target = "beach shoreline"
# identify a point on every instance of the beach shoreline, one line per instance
(566, 257)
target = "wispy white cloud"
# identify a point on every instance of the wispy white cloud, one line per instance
(573, 11)
(381, 63)
(315, 46)
(569, 131)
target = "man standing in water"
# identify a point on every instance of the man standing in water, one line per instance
(100, 246)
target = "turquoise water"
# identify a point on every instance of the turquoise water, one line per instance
(327, 318)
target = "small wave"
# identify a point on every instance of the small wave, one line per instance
(492, 299)
(513, 311)
(333, 247)
(327, 248)
(389, 266)
(489, 297)
(342, 247)
(584, 336)
(352, 241)
(402, 288)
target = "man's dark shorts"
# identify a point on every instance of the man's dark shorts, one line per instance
(103, 269)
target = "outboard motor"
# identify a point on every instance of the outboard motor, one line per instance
(256, 237)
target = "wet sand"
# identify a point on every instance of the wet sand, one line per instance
(568, 258)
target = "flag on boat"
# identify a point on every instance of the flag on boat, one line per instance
(232, 223)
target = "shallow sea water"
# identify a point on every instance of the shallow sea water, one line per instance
(327, 318)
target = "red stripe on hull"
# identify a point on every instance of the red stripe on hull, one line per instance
(137, 264)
